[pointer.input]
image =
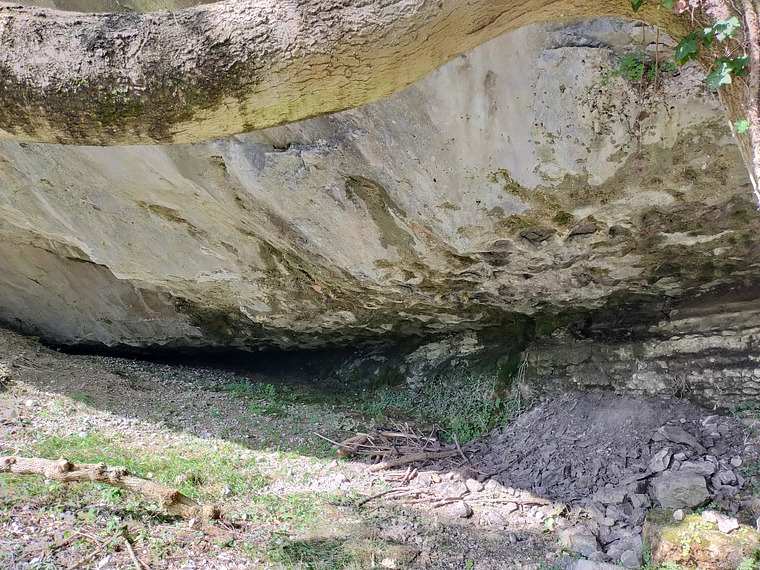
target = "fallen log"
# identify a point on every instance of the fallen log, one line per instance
(64, 471)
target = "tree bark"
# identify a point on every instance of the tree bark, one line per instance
(66, 472)
(241, 65)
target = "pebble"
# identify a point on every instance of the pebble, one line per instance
(736, 461)
(630, 559)
(727, 524)
(678, 514)
(493, 486)
(462, 510)
(30, 403)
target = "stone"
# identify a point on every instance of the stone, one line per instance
(727, 524)
(679, 435)
(709, 516)
(591, 565)
(473, 485)
(736, 461)
(206, 245)
(493, 486)
(630, 559)
(675, 490)
(678, 515)
(8, 414)
(725, 477)
(579, 539)
(495, 519)
(610, 495)
(640, 500)
(453, 489)
(461, 509)
(660, 461)
(692, 544)
(700, 467)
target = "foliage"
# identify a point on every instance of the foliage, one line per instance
(464, 404)
(688, 49)
(320, 554)
(635, 67)
(265, 399)
(723, 67)
(741, 126)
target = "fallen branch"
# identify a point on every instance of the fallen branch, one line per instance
(139, 565)
(390, 463)
(94, 553)
(383, 493)
(64, 471)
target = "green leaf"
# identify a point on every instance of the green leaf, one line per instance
(741, 126)
(668, 4)
(726, 28)
(636, 4)
(687, 49)
(724, 68)
(721, 75)
(738, 65)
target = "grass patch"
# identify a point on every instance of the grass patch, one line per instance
(315, 554)
(200, 472)
(465, 405)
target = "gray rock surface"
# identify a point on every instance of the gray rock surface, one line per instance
(674, 490)
(590, 565)
(604, 444)
(578, 539)
(520, 180)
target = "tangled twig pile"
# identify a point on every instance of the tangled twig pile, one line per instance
(399, 446)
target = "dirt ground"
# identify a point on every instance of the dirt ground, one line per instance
(249, 444)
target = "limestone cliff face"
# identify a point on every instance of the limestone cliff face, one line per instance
(520, 179)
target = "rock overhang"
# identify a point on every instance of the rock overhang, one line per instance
(521, 181)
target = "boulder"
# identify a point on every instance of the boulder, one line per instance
(676, 489)
(697, 543)
(505, 191)
(579, 539)
(591, 565)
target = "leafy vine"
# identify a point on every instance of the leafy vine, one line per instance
(723, 68)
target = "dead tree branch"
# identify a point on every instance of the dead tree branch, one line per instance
(64, 471)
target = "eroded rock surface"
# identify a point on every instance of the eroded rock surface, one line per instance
(522, 179)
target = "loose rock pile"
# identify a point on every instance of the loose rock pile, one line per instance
(612, 457)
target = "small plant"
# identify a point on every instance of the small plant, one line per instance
(635, 68)
(85, 399)
(465, 405)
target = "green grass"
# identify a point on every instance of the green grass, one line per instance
(313, 554)
(85, 399)
(205, 467)
(464, 405)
